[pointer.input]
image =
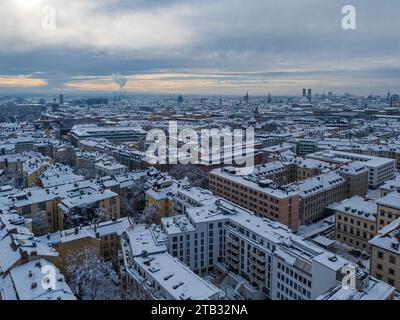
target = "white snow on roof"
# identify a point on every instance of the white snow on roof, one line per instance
(358, 207)
(28, 279)
(388, 238)
(176, 278)
(391, 200)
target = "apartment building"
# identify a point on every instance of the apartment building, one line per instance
(355, 222)
(146, 263)
(263, 197)
(29, 202)
(388, 209)
(33, 167)
(112, 133)
(24, 282)
(103, 237)
(21, 260)
(380, 169)
(161, 194)
(356, 176)
(317, 193)
(385, 254)
(317, 184)
(189, 197)
(81, 207)
(366, 288)
(259, 257)
(109, 168)
(390, 186)
(57, 175)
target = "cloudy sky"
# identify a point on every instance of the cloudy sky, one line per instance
(203, 47)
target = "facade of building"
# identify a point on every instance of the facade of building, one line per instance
(355, 222)
(388, 209)
(385, 254)
(263, 197)
(380, 169)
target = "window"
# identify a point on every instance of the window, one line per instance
(392, 260)
(26, 210)
(380, 254)
(42, 206)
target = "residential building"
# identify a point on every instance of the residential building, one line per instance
(385, 254)
(355, 222)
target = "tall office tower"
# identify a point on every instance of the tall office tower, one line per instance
(304, 92)
(388, 96)
(309, 95)
(61, 99)
(180, 99)
(394, 101)
(269, 99)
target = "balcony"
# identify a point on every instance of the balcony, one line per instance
(260, 271)
(257, 258)
(233, 250)
(232, 241)
(234, 259)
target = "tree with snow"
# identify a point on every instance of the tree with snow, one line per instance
(151, 214)
(90, 275)
(40, 223)
(95, 279)
(87, 170)
(132, 203)
(196, 176)
(11, 177)
(88, 214)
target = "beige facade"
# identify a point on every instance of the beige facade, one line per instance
(354, 230)
(388, 209)
(385, 266)
(386, 215)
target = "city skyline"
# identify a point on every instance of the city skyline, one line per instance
(185, 47)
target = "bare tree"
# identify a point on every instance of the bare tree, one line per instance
(95, 279)
(87, 170)
(91, 276)
(132, 203)
(151, 214)
(40, 223)
(85, 215)
(11, 177)
(197, 177)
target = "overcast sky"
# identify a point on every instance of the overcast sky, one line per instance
(205, 47)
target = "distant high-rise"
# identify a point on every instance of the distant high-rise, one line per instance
(304, 92)
(246, 97)
(180, 99)
(269, 99)
(61, 99)
(394, 101)
(309, 95)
